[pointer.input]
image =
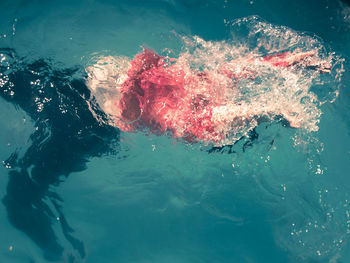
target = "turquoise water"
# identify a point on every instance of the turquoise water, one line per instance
(74, 189)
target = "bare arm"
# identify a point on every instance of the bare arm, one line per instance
(240, 68)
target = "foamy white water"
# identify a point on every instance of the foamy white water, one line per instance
(238, 77)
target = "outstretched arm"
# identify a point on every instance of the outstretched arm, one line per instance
(240, 68)
(303, 59)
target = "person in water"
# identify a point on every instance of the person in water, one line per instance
(165, 96)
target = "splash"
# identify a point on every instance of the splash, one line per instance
(216, 92)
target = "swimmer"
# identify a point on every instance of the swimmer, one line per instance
(166, 96)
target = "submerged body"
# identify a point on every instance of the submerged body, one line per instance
(168, 96)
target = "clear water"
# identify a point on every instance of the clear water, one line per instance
(76, 190)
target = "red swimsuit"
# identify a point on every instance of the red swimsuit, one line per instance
(153, 97)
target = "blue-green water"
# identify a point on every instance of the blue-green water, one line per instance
(76, 190)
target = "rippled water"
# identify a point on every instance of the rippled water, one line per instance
(75, 189)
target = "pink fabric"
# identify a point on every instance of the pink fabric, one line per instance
(152, 94)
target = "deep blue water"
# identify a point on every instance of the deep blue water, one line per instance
(74, 189)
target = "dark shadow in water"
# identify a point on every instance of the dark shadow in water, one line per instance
(252, 137)
(67, 134)
(346, 1)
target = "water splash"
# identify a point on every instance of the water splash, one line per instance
(219, 91)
